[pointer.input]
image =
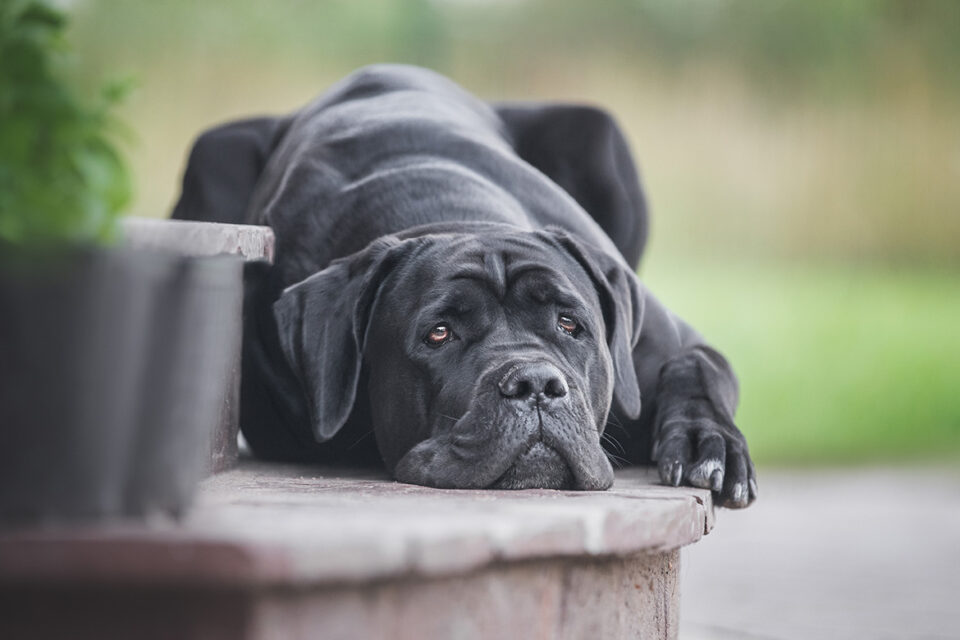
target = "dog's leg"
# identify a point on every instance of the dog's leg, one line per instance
(224, 166)
(582, 149)
(689, 394)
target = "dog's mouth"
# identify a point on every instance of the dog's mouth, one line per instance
(539, 467)
(489, 447)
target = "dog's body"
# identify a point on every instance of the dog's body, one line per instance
(460, 276)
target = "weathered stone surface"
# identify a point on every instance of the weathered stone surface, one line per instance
(610, 598)
(305, 526)
(200, 238)
(203, 239)
(273, 552)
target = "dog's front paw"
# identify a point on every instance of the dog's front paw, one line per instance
(705, 453)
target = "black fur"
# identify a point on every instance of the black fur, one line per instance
(401, 203)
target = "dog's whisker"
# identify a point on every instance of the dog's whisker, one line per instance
(360, 439)
(613, 442)
(616, 423)
(616, 460)
(612, 419)
(615, 447)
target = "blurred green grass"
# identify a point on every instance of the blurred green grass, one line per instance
(836, 363)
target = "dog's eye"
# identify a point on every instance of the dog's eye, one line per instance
(568, 325)
(438, 335)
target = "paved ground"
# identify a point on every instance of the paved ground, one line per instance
(870, 553)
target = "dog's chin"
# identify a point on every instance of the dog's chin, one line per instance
(539, 467)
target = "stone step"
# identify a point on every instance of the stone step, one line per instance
(306, 552)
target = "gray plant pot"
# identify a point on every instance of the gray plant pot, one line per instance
(113, 366)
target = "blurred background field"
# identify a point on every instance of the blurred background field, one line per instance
(801, 159)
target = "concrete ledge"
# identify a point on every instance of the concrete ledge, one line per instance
(301, 552)
(299, 526)
(200, 238)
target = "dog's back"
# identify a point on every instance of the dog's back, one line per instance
(393, 147)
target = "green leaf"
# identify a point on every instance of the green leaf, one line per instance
(62, 179)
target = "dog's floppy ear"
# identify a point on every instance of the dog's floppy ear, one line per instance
(322, 323)
(223, 168)
(622, 304)
(582, 149)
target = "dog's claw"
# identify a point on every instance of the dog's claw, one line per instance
(716, 481)
(708, 455)
(739, 497)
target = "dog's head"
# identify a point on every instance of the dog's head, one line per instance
(491, 358)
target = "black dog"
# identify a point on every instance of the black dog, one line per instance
(460, 277)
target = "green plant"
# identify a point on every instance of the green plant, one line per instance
(62, 180)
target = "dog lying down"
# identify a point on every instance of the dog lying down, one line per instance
(458, 279)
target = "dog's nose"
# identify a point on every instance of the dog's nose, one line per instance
(540, 379)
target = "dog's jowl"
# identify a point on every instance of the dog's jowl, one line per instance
(454, 294)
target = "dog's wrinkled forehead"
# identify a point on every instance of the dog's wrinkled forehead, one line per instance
(495, 263)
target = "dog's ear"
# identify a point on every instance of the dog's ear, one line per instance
(622, 304)
(322, 323)
(582, 149)
(223, 168)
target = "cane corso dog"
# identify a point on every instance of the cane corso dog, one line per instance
(454, 294)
